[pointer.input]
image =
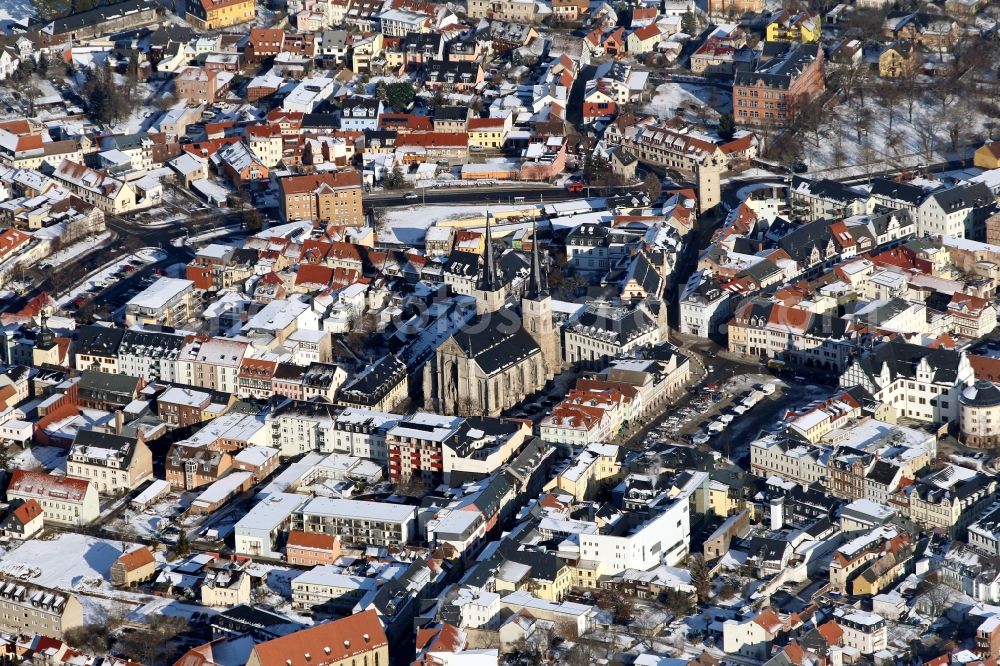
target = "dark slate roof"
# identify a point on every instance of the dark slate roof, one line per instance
(959, 198)
(905, 192)
(308, 408)
(800, 242)
(779, 72)
(451, 112)
(766, 549)
(831, 190)
(106, 382)
(375, 381)
(902, 359)
(462, 264)
(982, 393)
(496, 341)
(99, 15)
(150, 343)
(352, 103)
(319, 121)
(633, 323)
(646, 275)
(104, 440)
(99, 340)
(883, 472)
(588, 233)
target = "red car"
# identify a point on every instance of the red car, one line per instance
(574, 187)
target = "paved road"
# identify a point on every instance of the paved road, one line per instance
(532, 193)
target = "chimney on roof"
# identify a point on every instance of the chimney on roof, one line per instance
(347, 644)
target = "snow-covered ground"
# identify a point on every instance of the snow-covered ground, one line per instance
(69, 562)
(15, 11)
(105, 274)
(924, 140)
(81, 564)
(77, 249)
(49, 458)
(670, 96)
(408, 225)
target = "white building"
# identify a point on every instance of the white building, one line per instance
(325, 586)
(255, 533)
(704, 307)
(920, 383)
(357, 521)
(64, 501)
(362, 433)
(863, 631)
(165, 302)
(299, 426)
(949, 211)
(663, 539)
(309, 94)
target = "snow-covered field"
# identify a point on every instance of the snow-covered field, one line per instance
(69, 561)
(81, 564)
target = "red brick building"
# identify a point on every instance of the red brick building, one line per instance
(773, 94)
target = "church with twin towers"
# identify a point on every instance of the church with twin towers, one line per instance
(507, 351)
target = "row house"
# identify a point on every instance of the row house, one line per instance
(949, 499)
(211, 363)
(65, 501)
(109, 194)
(771, 331)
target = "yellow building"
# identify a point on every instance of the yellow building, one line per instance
(596, 466)
(803, 27)
(541, 574)
(365, 51)
(723, 499)
(215, 14)
(988, 156)
(896, 60)
(489, 132)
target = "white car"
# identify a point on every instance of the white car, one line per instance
(726, 418)
(768, 389)
(412, 195)
(700, 438)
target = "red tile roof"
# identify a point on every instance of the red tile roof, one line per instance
(134, 559)
(326, 643)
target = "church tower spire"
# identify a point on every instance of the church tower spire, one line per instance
(537, 286)
(536, 310)
(489, 276)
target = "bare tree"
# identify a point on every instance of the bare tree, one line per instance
(889, 94)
